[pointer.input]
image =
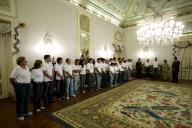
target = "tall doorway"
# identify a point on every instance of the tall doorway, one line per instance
(186, 64)
(5, 40)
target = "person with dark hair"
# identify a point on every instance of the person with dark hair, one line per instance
(90, 73)
(116, 73)
(111, 74)
(138, 68)
(155, 68)
(48, 80)
(165, 70)
(68, 69)
(175, 70)
(98, 74)
(37, 81)
(59, 78)
(21, 80)
(82, 76)
(114, 60)
(147, 69)
(76, 79)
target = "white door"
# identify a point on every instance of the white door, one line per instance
(3, 71)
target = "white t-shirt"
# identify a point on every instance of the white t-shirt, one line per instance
(37, 75)
(116, 69)
(155, 64)
(147, 64)
(58, 68)
(120, 67)
(21, 75)
(48, 67)
(130, 65)
(112, 69)
(68, 68)
(83, 70)
(76, 67)
(98, 66)
(124, 65)
(90, 67)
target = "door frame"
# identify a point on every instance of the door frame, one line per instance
(9, 58)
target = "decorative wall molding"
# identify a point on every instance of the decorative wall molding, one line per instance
(7, 7)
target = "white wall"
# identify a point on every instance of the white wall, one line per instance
(133, 48)
(60, 20)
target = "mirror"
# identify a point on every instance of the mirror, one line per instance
(84, 35)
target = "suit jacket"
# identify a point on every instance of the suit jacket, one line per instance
(175, 66)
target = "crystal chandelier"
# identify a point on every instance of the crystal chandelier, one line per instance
(160, 32)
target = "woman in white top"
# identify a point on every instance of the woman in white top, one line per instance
(111, 74)
(21, 80)
(59, 78)
(147, 69)
(37, 81)
(82, 76)
(76, 71)
(90, 73)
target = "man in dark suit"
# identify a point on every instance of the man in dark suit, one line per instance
(175, 70)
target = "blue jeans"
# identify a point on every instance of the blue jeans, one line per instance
(22, 97)
(69, 86)
(82, 82)
(98, 81)
(76, 84)
(60, 88)
(37, 89)
(47, 92)
(111, 79)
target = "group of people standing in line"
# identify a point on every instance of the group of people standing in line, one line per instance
(68, 79)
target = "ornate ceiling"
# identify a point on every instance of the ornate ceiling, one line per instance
(130, 12)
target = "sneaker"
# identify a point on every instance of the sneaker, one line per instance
(28, 114)
(38, 110)
(73, 95)
(21, 118)
(42, 108)
(84, 92)
(67, 98)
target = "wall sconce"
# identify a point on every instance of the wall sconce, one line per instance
(145, 53)
(48, 43)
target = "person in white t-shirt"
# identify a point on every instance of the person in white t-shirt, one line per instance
(21, 80)
(59, 78)
(98, 74)
(37, 81)
(111, 74)
(83, 69)
(68, 70)
(155, 67)
(147, 69)
(121, 72)
(116, 69)
(90, 73)
(130, 67)
(48, 80)
(76, 79)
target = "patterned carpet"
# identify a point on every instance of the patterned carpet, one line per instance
(137, 104)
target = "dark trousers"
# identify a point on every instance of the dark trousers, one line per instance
(90, 80)
(22, 97)
(82, 82)
(175, 76)
(115, 80)
(60, 88)
(37, 89)
(147, 70)
(47, 92)
(138, 73)
(155, 70)
(120, 76)
(104, 79)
